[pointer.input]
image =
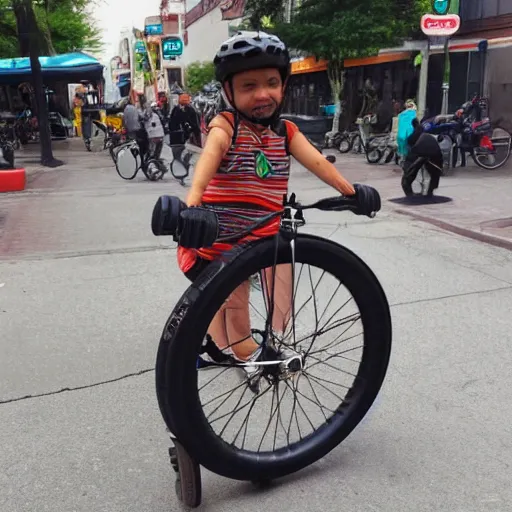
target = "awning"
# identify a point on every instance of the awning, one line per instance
(378, 59)
(312, 65)
(72, 67)
(308, 65)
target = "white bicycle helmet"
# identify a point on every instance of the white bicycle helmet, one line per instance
(248, 51)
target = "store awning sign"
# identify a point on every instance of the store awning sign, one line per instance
(154, 30)
(140, 47)
(172, 47)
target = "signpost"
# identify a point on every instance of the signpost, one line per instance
(443, 23)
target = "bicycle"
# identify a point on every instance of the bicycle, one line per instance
(183, 357)
(129, 162)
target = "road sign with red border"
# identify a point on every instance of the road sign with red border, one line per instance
(434, 25)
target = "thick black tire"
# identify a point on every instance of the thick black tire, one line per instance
(176, 374)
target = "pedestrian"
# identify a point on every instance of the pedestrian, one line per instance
(153, 128)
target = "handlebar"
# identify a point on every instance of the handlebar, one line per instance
(198, 227)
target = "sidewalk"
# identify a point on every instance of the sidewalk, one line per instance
(71, 151)
(481, 206)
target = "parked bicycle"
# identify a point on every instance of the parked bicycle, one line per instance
(130, 160)
(472, 132)
(304, 405)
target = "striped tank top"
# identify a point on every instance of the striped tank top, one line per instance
(250, 183)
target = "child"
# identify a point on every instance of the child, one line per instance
(245, 165)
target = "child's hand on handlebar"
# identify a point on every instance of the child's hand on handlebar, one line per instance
(194, 199)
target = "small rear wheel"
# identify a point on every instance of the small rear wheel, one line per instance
(188, 476)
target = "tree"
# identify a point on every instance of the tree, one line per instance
(262, 14)
(42, 27)
(65, 25)
(34, 41)
(198, 74)
(339, 29)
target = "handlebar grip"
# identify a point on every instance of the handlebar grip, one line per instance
(166, 216)
(336, 204)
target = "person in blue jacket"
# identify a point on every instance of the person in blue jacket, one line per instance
(406, 128)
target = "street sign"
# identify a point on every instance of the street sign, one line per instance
(154, 30)
(441, 7)
(434, 25)
(172, 47)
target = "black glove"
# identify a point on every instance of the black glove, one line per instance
(368, 200)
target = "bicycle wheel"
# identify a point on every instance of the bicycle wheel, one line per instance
(345, 144)
(373, 155)
(154, 169)
(127, 165)
(357, 146)
(180, 384)
(498, 156)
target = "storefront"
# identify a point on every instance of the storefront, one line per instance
(391, 74)
(58, 72)
(308, 88)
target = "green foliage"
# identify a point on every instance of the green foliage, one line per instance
(341, 29)
(198, 74)
(262, 14)
(64, 26)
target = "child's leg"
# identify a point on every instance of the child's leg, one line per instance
(231, 326)
(280, 293)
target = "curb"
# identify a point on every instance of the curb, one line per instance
(497, 241)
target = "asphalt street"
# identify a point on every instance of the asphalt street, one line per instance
(85, 290)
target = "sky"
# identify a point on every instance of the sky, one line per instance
(114, 15)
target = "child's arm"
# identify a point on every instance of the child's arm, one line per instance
(315, 162)
(217, 145)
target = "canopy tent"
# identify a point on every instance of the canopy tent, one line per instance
(71, 67)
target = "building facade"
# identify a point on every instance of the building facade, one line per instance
(151, 60)
(208, 23)
(489, 25)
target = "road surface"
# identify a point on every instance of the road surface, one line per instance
(85, 290)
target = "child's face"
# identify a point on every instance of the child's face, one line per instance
(258, 93)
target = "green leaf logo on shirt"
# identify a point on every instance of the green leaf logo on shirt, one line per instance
(263, 166)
